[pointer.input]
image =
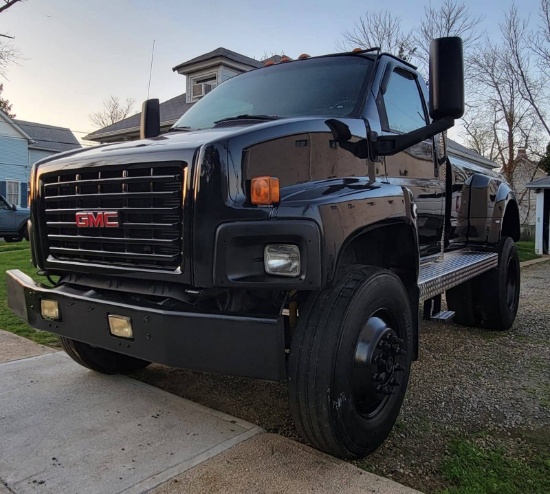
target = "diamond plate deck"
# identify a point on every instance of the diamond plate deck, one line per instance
(455, 268)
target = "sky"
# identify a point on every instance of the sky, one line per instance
(76, 53)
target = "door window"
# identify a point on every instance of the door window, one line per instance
(403, 103)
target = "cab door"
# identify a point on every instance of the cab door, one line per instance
(402, 108)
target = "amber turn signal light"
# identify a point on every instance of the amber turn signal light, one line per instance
(264, 191)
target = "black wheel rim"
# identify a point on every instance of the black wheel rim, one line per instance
(511, 284)
(378, 364)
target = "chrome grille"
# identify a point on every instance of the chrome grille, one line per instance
(148, 200)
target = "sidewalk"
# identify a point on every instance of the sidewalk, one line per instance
(66, 429)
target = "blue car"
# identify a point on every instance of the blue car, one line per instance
(13, 221)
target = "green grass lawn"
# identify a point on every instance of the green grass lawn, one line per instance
(474, 470)
(526, 250)
(18, 256)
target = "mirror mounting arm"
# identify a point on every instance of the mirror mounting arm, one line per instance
(393, 144)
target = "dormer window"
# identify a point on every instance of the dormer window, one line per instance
(202, 85)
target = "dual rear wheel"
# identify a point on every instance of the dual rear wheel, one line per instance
(491, 300)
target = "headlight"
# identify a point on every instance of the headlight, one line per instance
(282, 260)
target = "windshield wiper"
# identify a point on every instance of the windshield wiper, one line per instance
(249, 117)
(180, 129)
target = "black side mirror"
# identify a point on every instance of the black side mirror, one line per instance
(150, 119)
(340, 131)
(446, 78)
(13, 207)
(342, 135)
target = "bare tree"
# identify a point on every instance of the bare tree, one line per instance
(5, 105)
(449, 19)
(502, 121)
(7, 4)
(539, 42)
(8, 55)
(114, 110)
(379, 29)
(532, 85)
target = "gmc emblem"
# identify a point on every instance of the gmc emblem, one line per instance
(88, 219)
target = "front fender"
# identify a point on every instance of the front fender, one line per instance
(345, 209)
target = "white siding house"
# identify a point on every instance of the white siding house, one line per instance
(14, 161)
(21, 145)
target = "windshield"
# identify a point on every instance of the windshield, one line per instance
(329, 86)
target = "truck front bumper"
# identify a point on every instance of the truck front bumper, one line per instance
(226, 344)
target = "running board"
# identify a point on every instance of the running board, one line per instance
(454, 269)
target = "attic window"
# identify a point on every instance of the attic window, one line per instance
(201, 86)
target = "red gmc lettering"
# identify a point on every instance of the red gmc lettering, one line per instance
(88, 219)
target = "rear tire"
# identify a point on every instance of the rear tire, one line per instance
(101, 360)
(349, 362)
(491, 300)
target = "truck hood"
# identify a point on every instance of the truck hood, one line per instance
(174, 141)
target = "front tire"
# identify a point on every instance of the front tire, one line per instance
(349, 362)
(101, 360)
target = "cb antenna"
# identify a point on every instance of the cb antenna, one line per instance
(151, 68)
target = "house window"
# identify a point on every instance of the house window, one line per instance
(202, 85)
(12, 192)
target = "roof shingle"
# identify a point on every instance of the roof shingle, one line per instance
(221, 52)
(541, 183)
(49, 137)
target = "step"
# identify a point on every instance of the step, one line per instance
(444, 316)
(438, 275)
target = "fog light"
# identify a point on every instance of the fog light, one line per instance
(49, 309)
(282, 260)
(120, 326)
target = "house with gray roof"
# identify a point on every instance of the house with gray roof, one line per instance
(47, 139)
(203, 73)
(22, 144)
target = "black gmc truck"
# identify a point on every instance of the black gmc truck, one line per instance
(289, 227)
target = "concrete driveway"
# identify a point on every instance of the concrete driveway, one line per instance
(64, 429)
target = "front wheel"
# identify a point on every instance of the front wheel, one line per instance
(101, 360)
(349, 362)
